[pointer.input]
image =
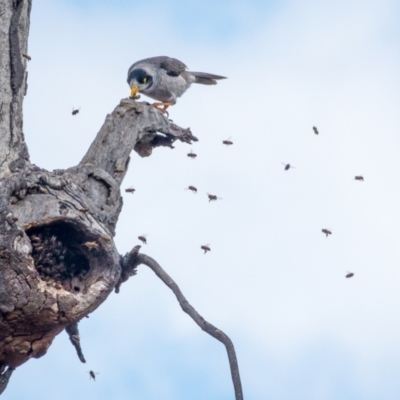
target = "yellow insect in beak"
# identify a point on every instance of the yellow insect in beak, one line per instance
(134, 91)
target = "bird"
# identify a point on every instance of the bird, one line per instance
(165, 79)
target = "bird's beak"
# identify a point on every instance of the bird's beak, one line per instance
(134, 91)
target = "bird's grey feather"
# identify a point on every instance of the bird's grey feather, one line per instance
(173, 66)
(165, 79)
(205, 78)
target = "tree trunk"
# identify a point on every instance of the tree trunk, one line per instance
(58, 260)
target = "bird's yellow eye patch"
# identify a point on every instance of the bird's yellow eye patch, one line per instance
(144, 80)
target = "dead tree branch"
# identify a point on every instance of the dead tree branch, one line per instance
(58, 259)
(133, 259)
(73, 333)
(4, 379)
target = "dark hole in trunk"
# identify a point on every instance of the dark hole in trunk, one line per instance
(57, 252)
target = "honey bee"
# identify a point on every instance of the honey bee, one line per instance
(143, 238)
(206, 248)
(349, 274)
(91, 245)
(29, 58)
(75, 111)
(227, 142)
(327, 232)
(287, 166)
(130, 190)
(192, 188)
(93, 375)
(192, 155)
(213, 197)
(359, 178)
(315, 130)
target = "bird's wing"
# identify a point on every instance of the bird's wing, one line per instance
(205, 78)
(173, 66)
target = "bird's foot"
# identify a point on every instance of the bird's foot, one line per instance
(162, 106)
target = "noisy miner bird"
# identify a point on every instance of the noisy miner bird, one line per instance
(165, 79)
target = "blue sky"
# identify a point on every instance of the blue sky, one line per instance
(272, 281)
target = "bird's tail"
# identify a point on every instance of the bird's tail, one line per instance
(206, 79)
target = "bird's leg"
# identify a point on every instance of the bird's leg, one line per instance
(164, 105)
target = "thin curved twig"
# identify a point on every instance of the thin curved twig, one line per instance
(200, 321)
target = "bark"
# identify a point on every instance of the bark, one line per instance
(58, 260)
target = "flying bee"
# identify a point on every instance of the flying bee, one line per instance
(192, 155)
(315, 130)
(287, 166)
(91, 245)
(227, 142)
(130, 190)
(213, 197)
(359, 178)
(206, 248)
(143, 238)
(192, 188)
(29, 58)
(327, 232)
(75, 111)
(93, 375)
(349, 274)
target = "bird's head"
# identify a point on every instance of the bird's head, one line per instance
(139, 79)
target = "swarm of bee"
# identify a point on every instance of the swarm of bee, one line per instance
(192, 188)
(56, 257)
(287, 166)
(130, 190)
(213, 197)
(206, 248)
(327, 232)
(93, 375)
(192, 155)
(143, 239)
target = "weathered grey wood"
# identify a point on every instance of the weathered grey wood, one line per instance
(14, 29)
(58, 261)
